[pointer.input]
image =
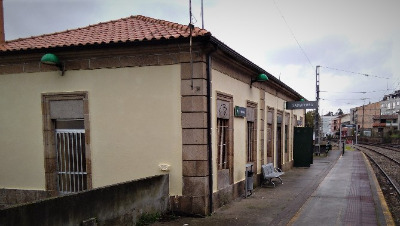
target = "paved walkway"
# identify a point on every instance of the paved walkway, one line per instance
(349, 195)
(333, 191)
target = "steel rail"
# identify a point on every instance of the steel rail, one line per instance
(394, 160)
(384, 173)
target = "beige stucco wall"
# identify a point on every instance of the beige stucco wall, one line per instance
(135, 122)
(241, 93)
(278, 104)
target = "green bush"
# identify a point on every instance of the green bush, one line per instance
(395, 134)
(148, 218)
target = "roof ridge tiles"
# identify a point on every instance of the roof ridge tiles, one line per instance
(128, 29)
(171, 24)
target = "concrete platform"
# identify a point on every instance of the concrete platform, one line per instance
(335, 190)
(349, 195)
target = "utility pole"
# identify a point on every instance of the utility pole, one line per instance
(316, 117)
(362, 128)
(356, 133)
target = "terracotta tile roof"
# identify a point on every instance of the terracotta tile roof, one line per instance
(131, 29)
(378, 124)
(385, 116)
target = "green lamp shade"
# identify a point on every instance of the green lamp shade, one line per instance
(50, 58)
(261, 78)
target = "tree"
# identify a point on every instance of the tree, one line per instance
(339, 112)
(329, 114)
(310, 119)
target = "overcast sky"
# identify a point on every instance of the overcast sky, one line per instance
(347, 38)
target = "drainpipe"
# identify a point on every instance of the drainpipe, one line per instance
(209, 130)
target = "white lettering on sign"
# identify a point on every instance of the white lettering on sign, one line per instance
(301, 104)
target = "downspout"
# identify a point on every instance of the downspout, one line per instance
(2, 33)
(209, 129)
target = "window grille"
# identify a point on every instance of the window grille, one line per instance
(270, 120)
(250, 141)
(223, 138)
(269, 141)
(71, 160)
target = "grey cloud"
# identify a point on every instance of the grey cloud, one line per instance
(30, 18)
(338, 52)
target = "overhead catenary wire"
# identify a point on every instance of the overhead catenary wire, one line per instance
(384, 91)
(363, 92)
(333, 68)
(340, 99)
(353, 72)
(294, 36)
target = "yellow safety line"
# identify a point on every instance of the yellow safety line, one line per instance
(385, 208)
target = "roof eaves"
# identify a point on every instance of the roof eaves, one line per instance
(178, 31)
(241, 58)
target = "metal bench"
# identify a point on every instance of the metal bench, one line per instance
(269, 173)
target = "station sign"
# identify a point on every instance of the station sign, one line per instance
(301, 105)
(240, 112)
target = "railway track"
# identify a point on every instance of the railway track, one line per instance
(391, 153)
(393, 147)
(386, 164)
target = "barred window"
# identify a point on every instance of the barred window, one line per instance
(270, 135)
(71, 162)
(71, 156)
(224, 128)
(250, 141)
(223, 139)
(67, 149)
(251, 116)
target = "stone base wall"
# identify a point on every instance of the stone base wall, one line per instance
(288, 166)
(199, 205)
(190, 205)
(228, 194)
(10, 197)
(119, 204)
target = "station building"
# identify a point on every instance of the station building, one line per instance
(131, 98)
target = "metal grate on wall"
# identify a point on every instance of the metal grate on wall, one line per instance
(223, 139)
(250, 141)
(71, 160)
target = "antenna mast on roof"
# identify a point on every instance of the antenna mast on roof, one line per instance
(190, 42)
(202, 15)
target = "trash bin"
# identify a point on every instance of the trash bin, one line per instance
(249, 180)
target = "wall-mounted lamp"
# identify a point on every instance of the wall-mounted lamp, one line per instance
(51, 59)
(260, 78)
